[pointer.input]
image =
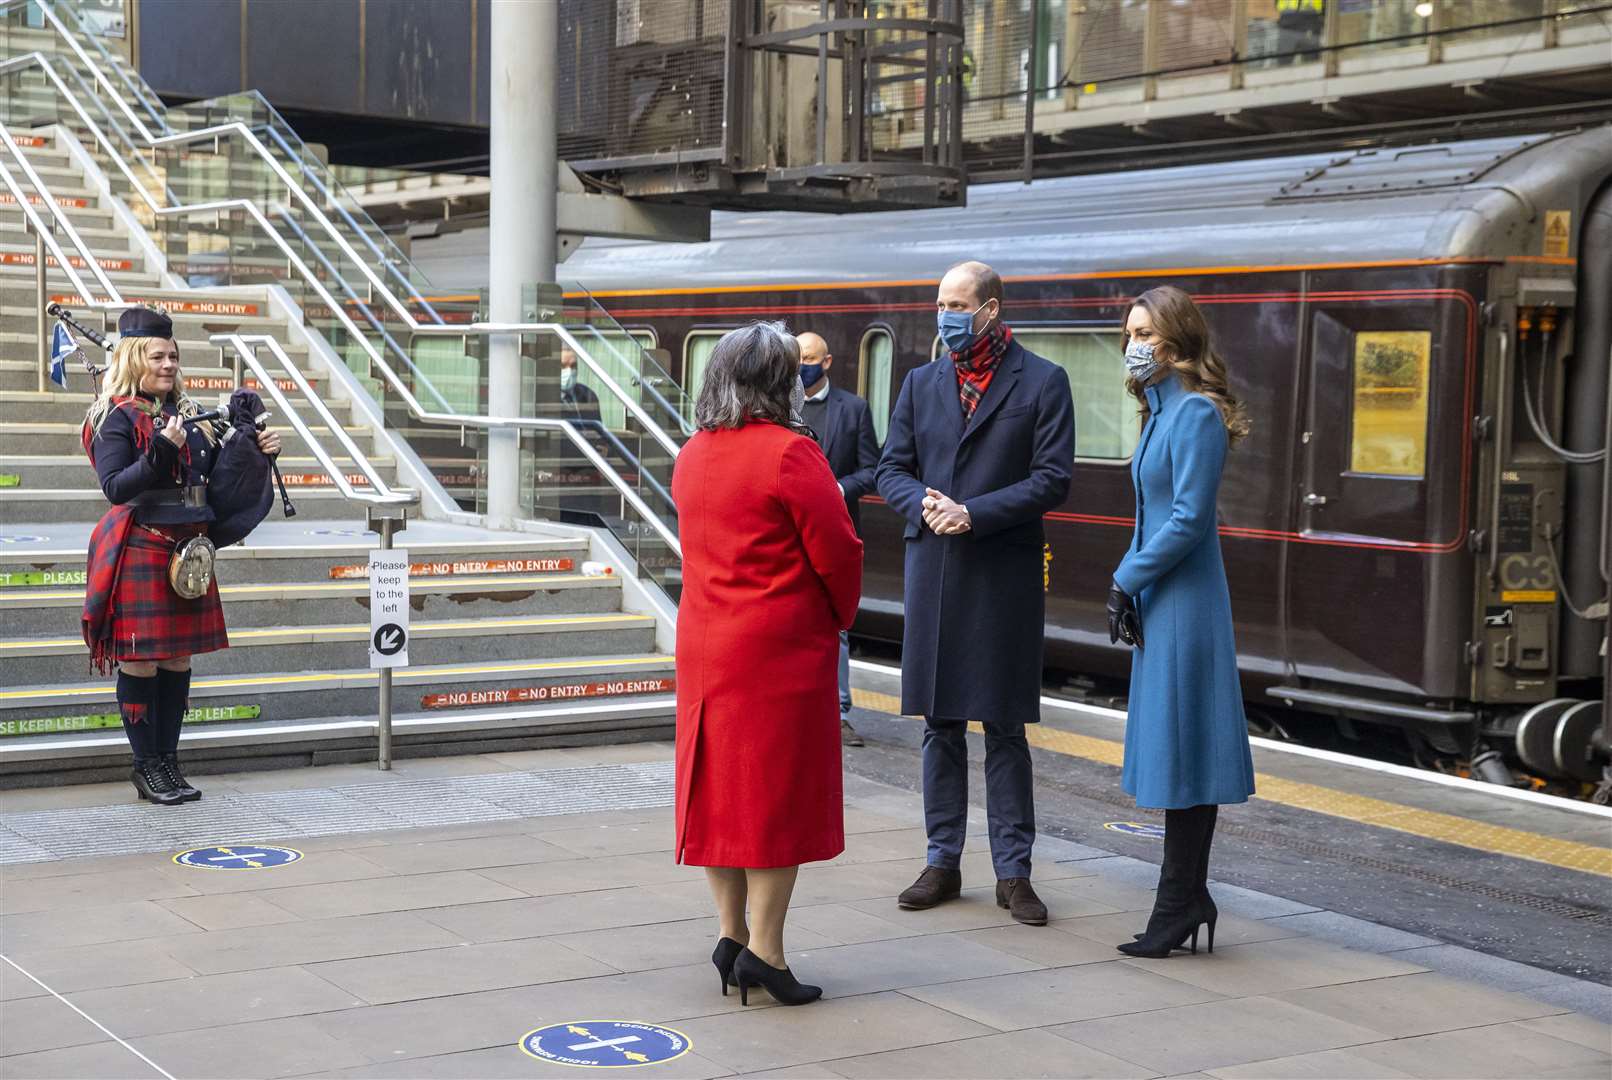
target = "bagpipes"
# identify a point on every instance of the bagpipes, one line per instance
(240, 416)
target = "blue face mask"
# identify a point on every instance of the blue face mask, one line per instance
(810, 374)
(1140, 363)
(957, 328)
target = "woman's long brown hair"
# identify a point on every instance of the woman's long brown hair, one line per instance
(1183, 346)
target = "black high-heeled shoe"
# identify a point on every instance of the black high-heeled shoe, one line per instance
(1175, 932)
(751, 970)
(727, 951)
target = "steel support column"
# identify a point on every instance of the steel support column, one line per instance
(524, 164)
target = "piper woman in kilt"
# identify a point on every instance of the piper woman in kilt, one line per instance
(154, 469)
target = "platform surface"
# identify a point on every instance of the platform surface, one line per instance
(445, 909)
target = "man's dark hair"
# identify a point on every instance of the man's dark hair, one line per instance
(987, 282)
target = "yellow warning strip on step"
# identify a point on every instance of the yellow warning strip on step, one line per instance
(500, 583)
(1429, 824)
(297, 635)
(314, 679)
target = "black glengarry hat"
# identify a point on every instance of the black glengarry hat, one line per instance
(145, 322)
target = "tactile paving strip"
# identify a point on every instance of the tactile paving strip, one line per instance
(134, 828)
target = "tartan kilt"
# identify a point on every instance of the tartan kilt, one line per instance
(149, 620)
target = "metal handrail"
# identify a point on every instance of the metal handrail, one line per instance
(115, 300)
(383, 493)
(60, 218)
(252, 210)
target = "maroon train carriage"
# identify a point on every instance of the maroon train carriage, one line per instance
(1421, 336)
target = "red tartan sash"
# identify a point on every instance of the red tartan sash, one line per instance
(144, 412)
(107, 544)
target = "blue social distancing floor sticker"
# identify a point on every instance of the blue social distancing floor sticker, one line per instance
(237, 857)
(605, 1044)
(1137, 828)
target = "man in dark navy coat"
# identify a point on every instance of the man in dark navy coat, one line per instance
(981, 445)
(843, 424)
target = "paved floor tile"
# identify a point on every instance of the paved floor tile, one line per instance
(323, 868)
(102, 1059)
(402, 893)
(858, 820)
(1201, 1037)
(549, 915)
(90, 864)
(211, 1001)
(86, 890)
(1059, 995)
(772, 1038)
(1578, 1029)
(15, 985)
(1097, 895)
(846, 925)
(574, 875)
(1472, 966)
(1048, 946)
(1341, 930)
(1229, 930)
(1010, 1056)
(977, 869)
(1324, 1065)
(111, 963)
(501, 1062)
(43, 1023)
(264, 1049)
(1257, 905)
(227, 911)
(308, 942)
(21, 800)
(88, 926)
(1417, 1004)
(813, 1071)
(876, 966)
(1483, 1053)
(672, 944)
(974, 910)
(595, 840)
(1591, 999)
(473, 853)
(462, 969)
(1268, 967)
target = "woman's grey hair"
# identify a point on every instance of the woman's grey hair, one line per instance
(750, 376)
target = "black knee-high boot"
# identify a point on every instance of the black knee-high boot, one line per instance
(137, 704)
(1179, 907)
(173, 698)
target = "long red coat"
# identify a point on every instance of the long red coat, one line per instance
(772, 572)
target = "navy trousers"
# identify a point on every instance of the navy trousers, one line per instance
(1009, 795)
(845, 672)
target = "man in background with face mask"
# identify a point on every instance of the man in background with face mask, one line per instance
(843, 424)
(981, 445)
(580, 402)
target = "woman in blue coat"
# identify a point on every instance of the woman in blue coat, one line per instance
(1186, 740)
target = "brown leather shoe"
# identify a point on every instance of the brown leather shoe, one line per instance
(934, 886)
(1020, 899)
(848, 735)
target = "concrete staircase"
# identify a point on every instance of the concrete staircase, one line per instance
(512, 645)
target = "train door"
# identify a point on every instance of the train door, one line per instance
(1379, 488)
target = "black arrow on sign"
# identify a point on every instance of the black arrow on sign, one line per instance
(390, 639)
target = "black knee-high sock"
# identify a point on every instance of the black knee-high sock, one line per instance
(173, 698)
(137, 702)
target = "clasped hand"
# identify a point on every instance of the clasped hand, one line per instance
(943, 516)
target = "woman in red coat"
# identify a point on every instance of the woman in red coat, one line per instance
(772, 572)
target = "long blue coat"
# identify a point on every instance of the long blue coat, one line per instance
(1186, 739)
(975, 608)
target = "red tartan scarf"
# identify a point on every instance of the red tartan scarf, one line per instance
(107, 544)
(145, 411)
(976, 367)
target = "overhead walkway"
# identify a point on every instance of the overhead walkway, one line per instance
(556, 627)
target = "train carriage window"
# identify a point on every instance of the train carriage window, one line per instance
(878, 356)
(697, 350)
(1389, 376)
(1106, 426)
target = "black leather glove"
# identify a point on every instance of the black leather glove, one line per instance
(1124, 622)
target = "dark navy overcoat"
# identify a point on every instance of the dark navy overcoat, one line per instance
(1186, 740)
(975, 603)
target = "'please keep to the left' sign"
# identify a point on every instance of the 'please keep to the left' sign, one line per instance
(389, 608)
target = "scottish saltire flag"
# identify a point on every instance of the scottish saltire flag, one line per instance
(61, 347)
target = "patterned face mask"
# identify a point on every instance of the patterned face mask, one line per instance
(1140, 363)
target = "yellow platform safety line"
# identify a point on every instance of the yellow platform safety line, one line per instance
(317, 677)
(1429, 824)
(356, 585)
(301, 635)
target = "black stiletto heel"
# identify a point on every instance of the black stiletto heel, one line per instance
(1211, 925)
(751, 970)
(727, 951)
